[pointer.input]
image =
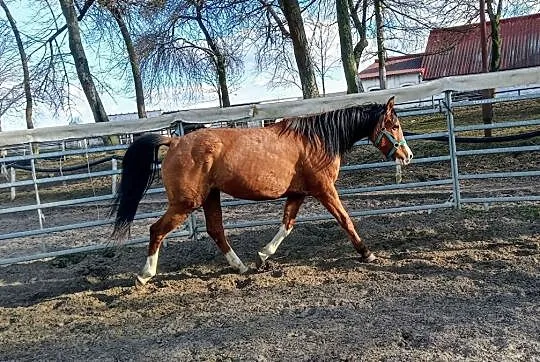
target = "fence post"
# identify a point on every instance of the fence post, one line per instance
(12, 179)
(193, 226)
(452, 147)
(114, 166)
(3, 169)
(41, 217)
(63, 150)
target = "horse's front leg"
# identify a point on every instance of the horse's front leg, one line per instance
(333, 204)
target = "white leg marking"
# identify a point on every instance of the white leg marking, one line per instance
(235, 261)
(371, 258)
(272, 246)
(149, 269)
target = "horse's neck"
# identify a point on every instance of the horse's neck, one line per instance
(366, 129)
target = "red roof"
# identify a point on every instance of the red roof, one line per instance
(457, 51)
(404, 64)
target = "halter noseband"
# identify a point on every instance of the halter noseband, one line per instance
(396, 144)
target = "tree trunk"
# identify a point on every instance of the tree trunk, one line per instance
(360, 26)
(487, 109)
(133, 61)
(495, 22)
(380, 45)
(24, 63)
(345, 39)
(222, 80)
(81, 63)
(219, 60)
(291, 10)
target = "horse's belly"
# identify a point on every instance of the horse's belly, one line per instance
(254, 181)
(258, 185)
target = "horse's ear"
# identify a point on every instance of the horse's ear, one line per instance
(390, 105)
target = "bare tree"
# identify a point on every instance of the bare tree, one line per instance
(119, 10)
(494, 14)
(347, 53)
(193, 45)
(487, 108)
(81, 63)
(407, 23)
(293, 15)
(360, 23)
(323, 40)
(11, 92)
(24, 64)
(381, 52)
(278, 29)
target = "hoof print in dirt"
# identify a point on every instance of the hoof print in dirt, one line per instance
(264, 266)
(158, 283)
(277, 273)
(241, 284)
(371, 258)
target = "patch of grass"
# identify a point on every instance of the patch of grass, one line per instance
(502, 112)
(529, 212)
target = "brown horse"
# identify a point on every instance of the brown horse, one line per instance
(294, 158)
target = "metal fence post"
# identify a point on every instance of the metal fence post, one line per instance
(179, 128)
(12, 179)
(3, 169)
(36, 190)
(193, 226)
(114, 166)
(452, 147)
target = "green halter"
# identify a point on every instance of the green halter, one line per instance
(397, 144)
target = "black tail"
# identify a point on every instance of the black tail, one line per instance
(139, 168)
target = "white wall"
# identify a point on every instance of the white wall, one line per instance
(393, 81)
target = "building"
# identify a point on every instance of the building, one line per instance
(132, 116)
(402, 71)
(457, 51)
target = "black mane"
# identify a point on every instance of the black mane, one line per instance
(338, 130)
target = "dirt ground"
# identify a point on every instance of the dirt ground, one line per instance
(448, 285)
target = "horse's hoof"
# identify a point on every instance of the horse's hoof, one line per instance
(370, 258)
(139, 282)
(243, 269)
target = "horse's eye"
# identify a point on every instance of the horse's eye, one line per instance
(395, 127)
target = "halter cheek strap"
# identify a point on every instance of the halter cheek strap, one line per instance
(396, 144)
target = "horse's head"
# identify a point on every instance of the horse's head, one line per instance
(388, 136)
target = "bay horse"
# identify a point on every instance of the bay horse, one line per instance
(293, 158)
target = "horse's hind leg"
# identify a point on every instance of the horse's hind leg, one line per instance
(292, 205)
(214, 227)
(333, 204)
(172, 218)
